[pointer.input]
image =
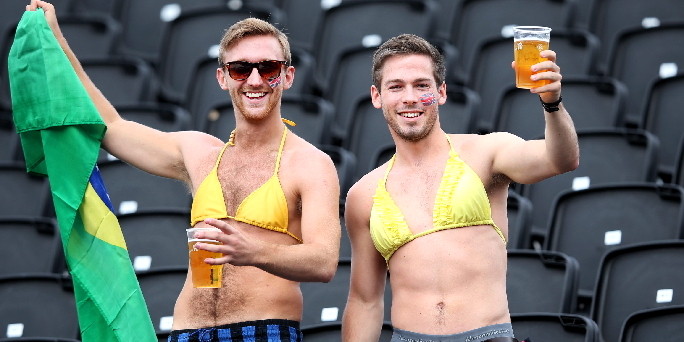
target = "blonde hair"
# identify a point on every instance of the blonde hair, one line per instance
(253, 27)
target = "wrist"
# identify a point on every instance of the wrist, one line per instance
(551, 107)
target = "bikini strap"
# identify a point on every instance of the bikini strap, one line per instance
(280, 151)
(218, 160)
(451, 145)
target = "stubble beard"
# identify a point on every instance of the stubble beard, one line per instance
(251, 114)
(411, 133)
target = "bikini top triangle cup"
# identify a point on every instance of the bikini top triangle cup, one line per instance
(461, 201)
(266, 207)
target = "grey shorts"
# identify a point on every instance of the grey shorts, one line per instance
(475, 335)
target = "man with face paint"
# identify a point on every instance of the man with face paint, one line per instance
(435, 214)
(273, 196)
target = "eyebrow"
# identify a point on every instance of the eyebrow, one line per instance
(398, 80)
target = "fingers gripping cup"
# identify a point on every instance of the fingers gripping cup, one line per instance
(528, 42)
(203, 275)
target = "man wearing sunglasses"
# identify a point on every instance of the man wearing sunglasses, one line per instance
(273, 196)
(434, 215)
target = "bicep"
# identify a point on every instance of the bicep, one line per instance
(522, 161)
(146, 148)
(320, 195)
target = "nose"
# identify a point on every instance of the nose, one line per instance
(254, 77)
(410, 95)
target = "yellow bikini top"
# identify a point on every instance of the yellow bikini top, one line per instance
(461, 201)
(266, 207)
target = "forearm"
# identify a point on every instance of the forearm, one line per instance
(362, 321)
(301, 263)
(562, 147)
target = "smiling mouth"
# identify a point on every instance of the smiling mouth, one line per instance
(255, 95)
(410, 115)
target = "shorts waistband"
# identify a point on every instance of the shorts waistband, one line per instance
(268, 329)
(492, 333)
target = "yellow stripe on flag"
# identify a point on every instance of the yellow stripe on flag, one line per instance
(99, 221)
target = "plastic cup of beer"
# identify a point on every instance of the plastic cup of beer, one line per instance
(528, 42)
(203, 275)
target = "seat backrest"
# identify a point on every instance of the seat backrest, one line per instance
(644, 325)
(90, 35)
(37, 306)
(332, 331)
(555, 327)
(373, 23)
(541, 281)
(610, 18)
(156, 239)
(143, 22)
(26, 195)
(350, 81)
(191, 38)
(161, 287)
(32, 246)
(519, 211)
(313, 116)
(634, 278)
(369, 135)
(588, 223)
(9, 139)
(478, 21)
(131, 189)
(491, 75)
(593, 103)
(345, 164)
(325, 302)
(662, 117)
(642, 56)
(603, 153)
(123, 80)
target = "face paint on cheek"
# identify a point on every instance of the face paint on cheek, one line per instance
(275, 82)
(428, 99)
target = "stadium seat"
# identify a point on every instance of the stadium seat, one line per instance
(662, 118)
(156, 239)
(519, 211)
(588, 223)
(634, 278)
(645, 325)
(545, 327)
(132, 190)
(373, 23)
(593, 103)
(541, 281)
(26, 195)
(39, 305)
(33, 245)
(642, 56)
(478, 21)
(607, 156)
(161, 287)
(122, 80)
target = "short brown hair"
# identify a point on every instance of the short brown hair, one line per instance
(407, 44)
(253, 27)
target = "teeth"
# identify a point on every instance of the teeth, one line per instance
(253, 95)
(410, 115)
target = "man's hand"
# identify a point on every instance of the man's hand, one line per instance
(236, 248)
(50, 15)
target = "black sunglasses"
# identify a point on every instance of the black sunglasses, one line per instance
(240, 70)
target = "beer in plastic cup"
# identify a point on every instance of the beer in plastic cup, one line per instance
(203, 275)
(528, 42)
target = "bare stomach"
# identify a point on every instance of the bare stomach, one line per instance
(247, 293)
(449, 282)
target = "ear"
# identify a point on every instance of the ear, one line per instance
(221, 78)
(375, 97)
(289, 77)
(442, 93)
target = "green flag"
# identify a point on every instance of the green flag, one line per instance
(60, 132)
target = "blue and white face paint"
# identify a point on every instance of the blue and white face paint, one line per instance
(428, 99)
(275, 82)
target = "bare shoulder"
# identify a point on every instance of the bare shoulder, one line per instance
(359, 199)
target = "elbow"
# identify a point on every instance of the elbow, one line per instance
(568, 165)
(327, 272)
